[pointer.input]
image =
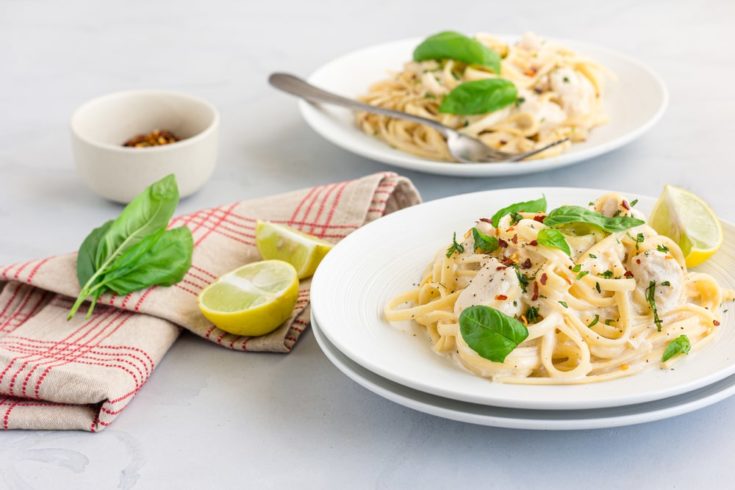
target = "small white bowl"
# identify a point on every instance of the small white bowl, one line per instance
(101, 126)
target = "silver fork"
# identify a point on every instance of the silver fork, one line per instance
(463, 148)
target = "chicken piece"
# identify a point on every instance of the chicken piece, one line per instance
(547, 113)
(653, 265)
(495, 285)
(576, 92)
(613, 204)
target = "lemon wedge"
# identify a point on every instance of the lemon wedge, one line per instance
(253, 299)
(280, 242)
(689, 221)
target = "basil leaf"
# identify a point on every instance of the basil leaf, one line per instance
(537, 206)
(549, 237)
(479, 97)
(161, 259)
(87, 256)
(576, 214)
(680, 345)
(134, 251)
(490, 333)
(455, 46)
(148, 213)
(485, 243)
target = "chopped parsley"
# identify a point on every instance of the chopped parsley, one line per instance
(532, 314)
(577, 268)
(665, 283)
(594, 321)
(608, 274)
(581, 274)
(633, 202)
(593, 256)
(651, 298)
(519, 101)
(522, 278)
(663, 249)
(597, 286)
(564, 304)
(455, 247)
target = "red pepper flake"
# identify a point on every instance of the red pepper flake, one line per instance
(502, 243)
(501, 268)
(628, 274)
(514, 239)
(507, 261)
(527, 264)
(535, 291)
(533, 243)
(486, 220)
(539, 217)
(638, 261)
(501, 297)
(715, 323)
(626, 205)
(544, 278)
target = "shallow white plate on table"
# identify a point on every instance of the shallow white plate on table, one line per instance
(384, 258)
(515, 418)
(635, 101)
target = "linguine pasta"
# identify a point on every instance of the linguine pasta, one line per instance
(560, 95)
(591, 315)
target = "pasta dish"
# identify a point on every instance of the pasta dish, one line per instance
(540, 92)
(574, 295)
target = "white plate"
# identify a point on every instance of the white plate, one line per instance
(635, 101)
(514, 418)
(376, 262)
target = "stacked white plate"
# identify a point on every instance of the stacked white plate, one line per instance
(386, 257)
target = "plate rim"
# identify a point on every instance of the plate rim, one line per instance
(376, 386)
(315, 118)
(559, 404)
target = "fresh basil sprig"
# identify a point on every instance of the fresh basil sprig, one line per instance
(479, 97)
(455, 46)
(135, 251)
(537, 206)
(484, 242)
(491, 333)
(680, 345)
(549, 237)
(576, 214)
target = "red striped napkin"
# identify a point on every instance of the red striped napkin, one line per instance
(80, 374)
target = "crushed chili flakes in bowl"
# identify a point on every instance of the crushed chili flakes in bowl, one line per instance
(157, 137)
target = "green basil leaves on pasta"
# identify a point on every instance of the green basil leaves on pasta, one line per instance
(537, 206)
(491, 333)
(549, 237)
(680, 345)
(479, 97)
(484, 242)
(455, 46)
(565, 215)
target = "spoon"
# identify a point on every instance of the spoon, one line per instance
(463, 148)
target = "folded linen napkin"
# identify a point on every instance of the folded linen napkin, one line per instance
(80, 374)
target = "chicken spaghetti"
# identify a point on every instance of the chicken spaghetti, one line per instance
(576, 295)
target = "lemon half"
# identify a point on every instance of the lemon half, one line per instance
(280, 242)
(689, 221)
(252, 300)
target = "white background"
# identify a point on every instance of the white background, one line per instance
(213, 418)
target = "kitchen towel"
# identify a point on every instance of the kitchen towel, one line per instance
(80, 374)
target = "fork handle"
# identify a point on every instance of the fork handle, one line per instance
(301, 88)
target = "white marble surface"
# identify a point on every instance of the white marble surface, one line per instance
(220, 419)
